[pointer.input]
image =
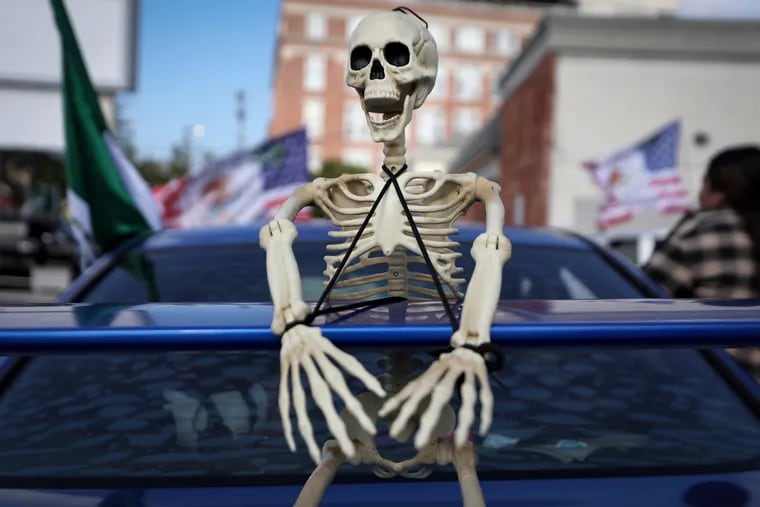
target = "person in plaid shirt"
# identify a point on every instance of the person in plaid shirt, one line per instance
(715, 252)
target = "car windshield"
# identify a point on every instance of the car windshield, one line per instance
(183, 416)
(235, 273)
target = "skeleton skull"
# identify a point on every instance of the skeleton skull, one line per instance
(392, 64)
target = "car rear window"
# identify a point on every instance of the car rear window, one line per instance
(236, 273)
(183, 416)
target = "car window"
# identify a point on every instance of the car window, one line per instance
(236, 273)
(214, 414)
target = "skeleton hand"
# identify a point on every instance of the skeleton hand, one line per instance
(305, 347)
(439, 382)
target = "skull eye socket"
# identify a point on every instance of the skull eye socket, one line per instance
(360, 57)
(396, 53)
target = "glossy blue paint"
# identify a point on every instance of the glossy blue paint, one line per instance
(597, 323)
(713, 490)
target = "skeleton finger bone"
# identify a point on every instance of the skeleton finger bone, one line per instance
(486, 400)
(441, 394)
(467, 410)
(338, 384)
(284, 401)
(322, 397)
(302, 416)
(370, 405)
(352, 366)
(423, 385)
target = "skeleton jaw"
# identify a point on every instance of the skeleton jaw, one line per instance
(388, 112)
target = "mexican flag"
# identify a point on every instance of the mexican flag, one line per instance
(108, 201)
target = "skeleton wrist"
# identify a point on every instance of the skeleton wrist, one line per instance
(490, 352)
(289, 317)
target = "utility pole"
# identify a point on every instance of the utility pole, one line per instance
(241, 117)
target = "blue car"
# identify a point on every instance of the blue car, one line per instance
(154, 383)
(227, 265)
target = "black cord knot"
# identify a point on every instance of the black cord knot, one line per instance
(492, 355)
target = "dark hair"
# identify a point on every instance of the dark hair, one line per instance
(735, 172)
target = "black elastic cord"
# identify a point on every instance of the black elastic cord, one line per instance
(407, 10)
(317, 310)
(423, 249)
(334, 279)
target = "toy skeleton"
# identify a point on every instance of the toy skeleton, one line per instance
(390, 224)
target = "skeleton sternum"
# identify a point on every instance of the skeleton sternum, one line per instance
(390, 217)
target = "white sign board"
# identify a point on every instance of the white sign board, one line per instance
(30, 64)
(30, 46)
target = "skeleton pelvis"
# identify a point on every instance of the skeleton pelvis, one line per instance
(368, 453)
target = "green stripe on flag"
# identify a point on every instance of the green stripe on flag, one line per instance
(92, 173)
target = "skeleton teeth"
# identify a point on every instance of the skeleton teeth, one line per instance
(382, 118)
(374, 95)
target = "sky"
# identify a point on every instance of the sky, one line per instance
(720, 8)
(193, 56)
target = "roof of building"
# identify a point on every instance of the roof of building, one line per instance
(661, 38)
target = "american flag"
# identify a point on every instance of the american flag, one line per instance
(242, 187)
(641, 178)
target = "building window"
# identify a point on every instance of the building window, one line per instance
(441, 88)
(441, 35)
(314, 163)
(506, 41)
(316, 26)
(313, 117)
(470, 39)
(354, 122)
(358, 157)
(466, 121)
(495, 80)
(351, 23)
(430, 126)
(468, 83)
(518, 210)
(314, 73)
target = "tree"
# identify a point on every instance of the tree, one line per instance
(334, 168)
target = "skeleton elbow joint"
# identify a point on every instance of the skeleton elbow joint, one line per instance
(277, 230)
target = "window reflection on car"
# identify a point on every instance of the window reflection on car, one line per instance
(228, 273)
(184, 415)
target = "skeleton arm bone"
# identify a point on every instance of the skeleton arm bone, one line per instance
(304, 347)
(277, 238)
(490, 251)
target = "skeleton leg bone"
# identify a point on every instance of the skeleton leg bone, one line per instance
(314, 490)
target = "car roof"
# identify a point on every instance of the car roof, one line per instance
(316, 230)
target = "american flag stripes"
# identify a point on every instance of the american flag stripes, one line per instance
(640, 178)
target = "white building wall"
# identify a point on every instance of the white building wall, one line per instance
(604, 104)
(627, 7)
(30, 64)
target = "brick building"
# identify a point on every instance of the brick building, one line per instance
(588, 86)
(476, 41)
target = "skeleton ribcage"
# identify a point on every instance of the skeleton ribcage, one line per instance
(435, 204)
